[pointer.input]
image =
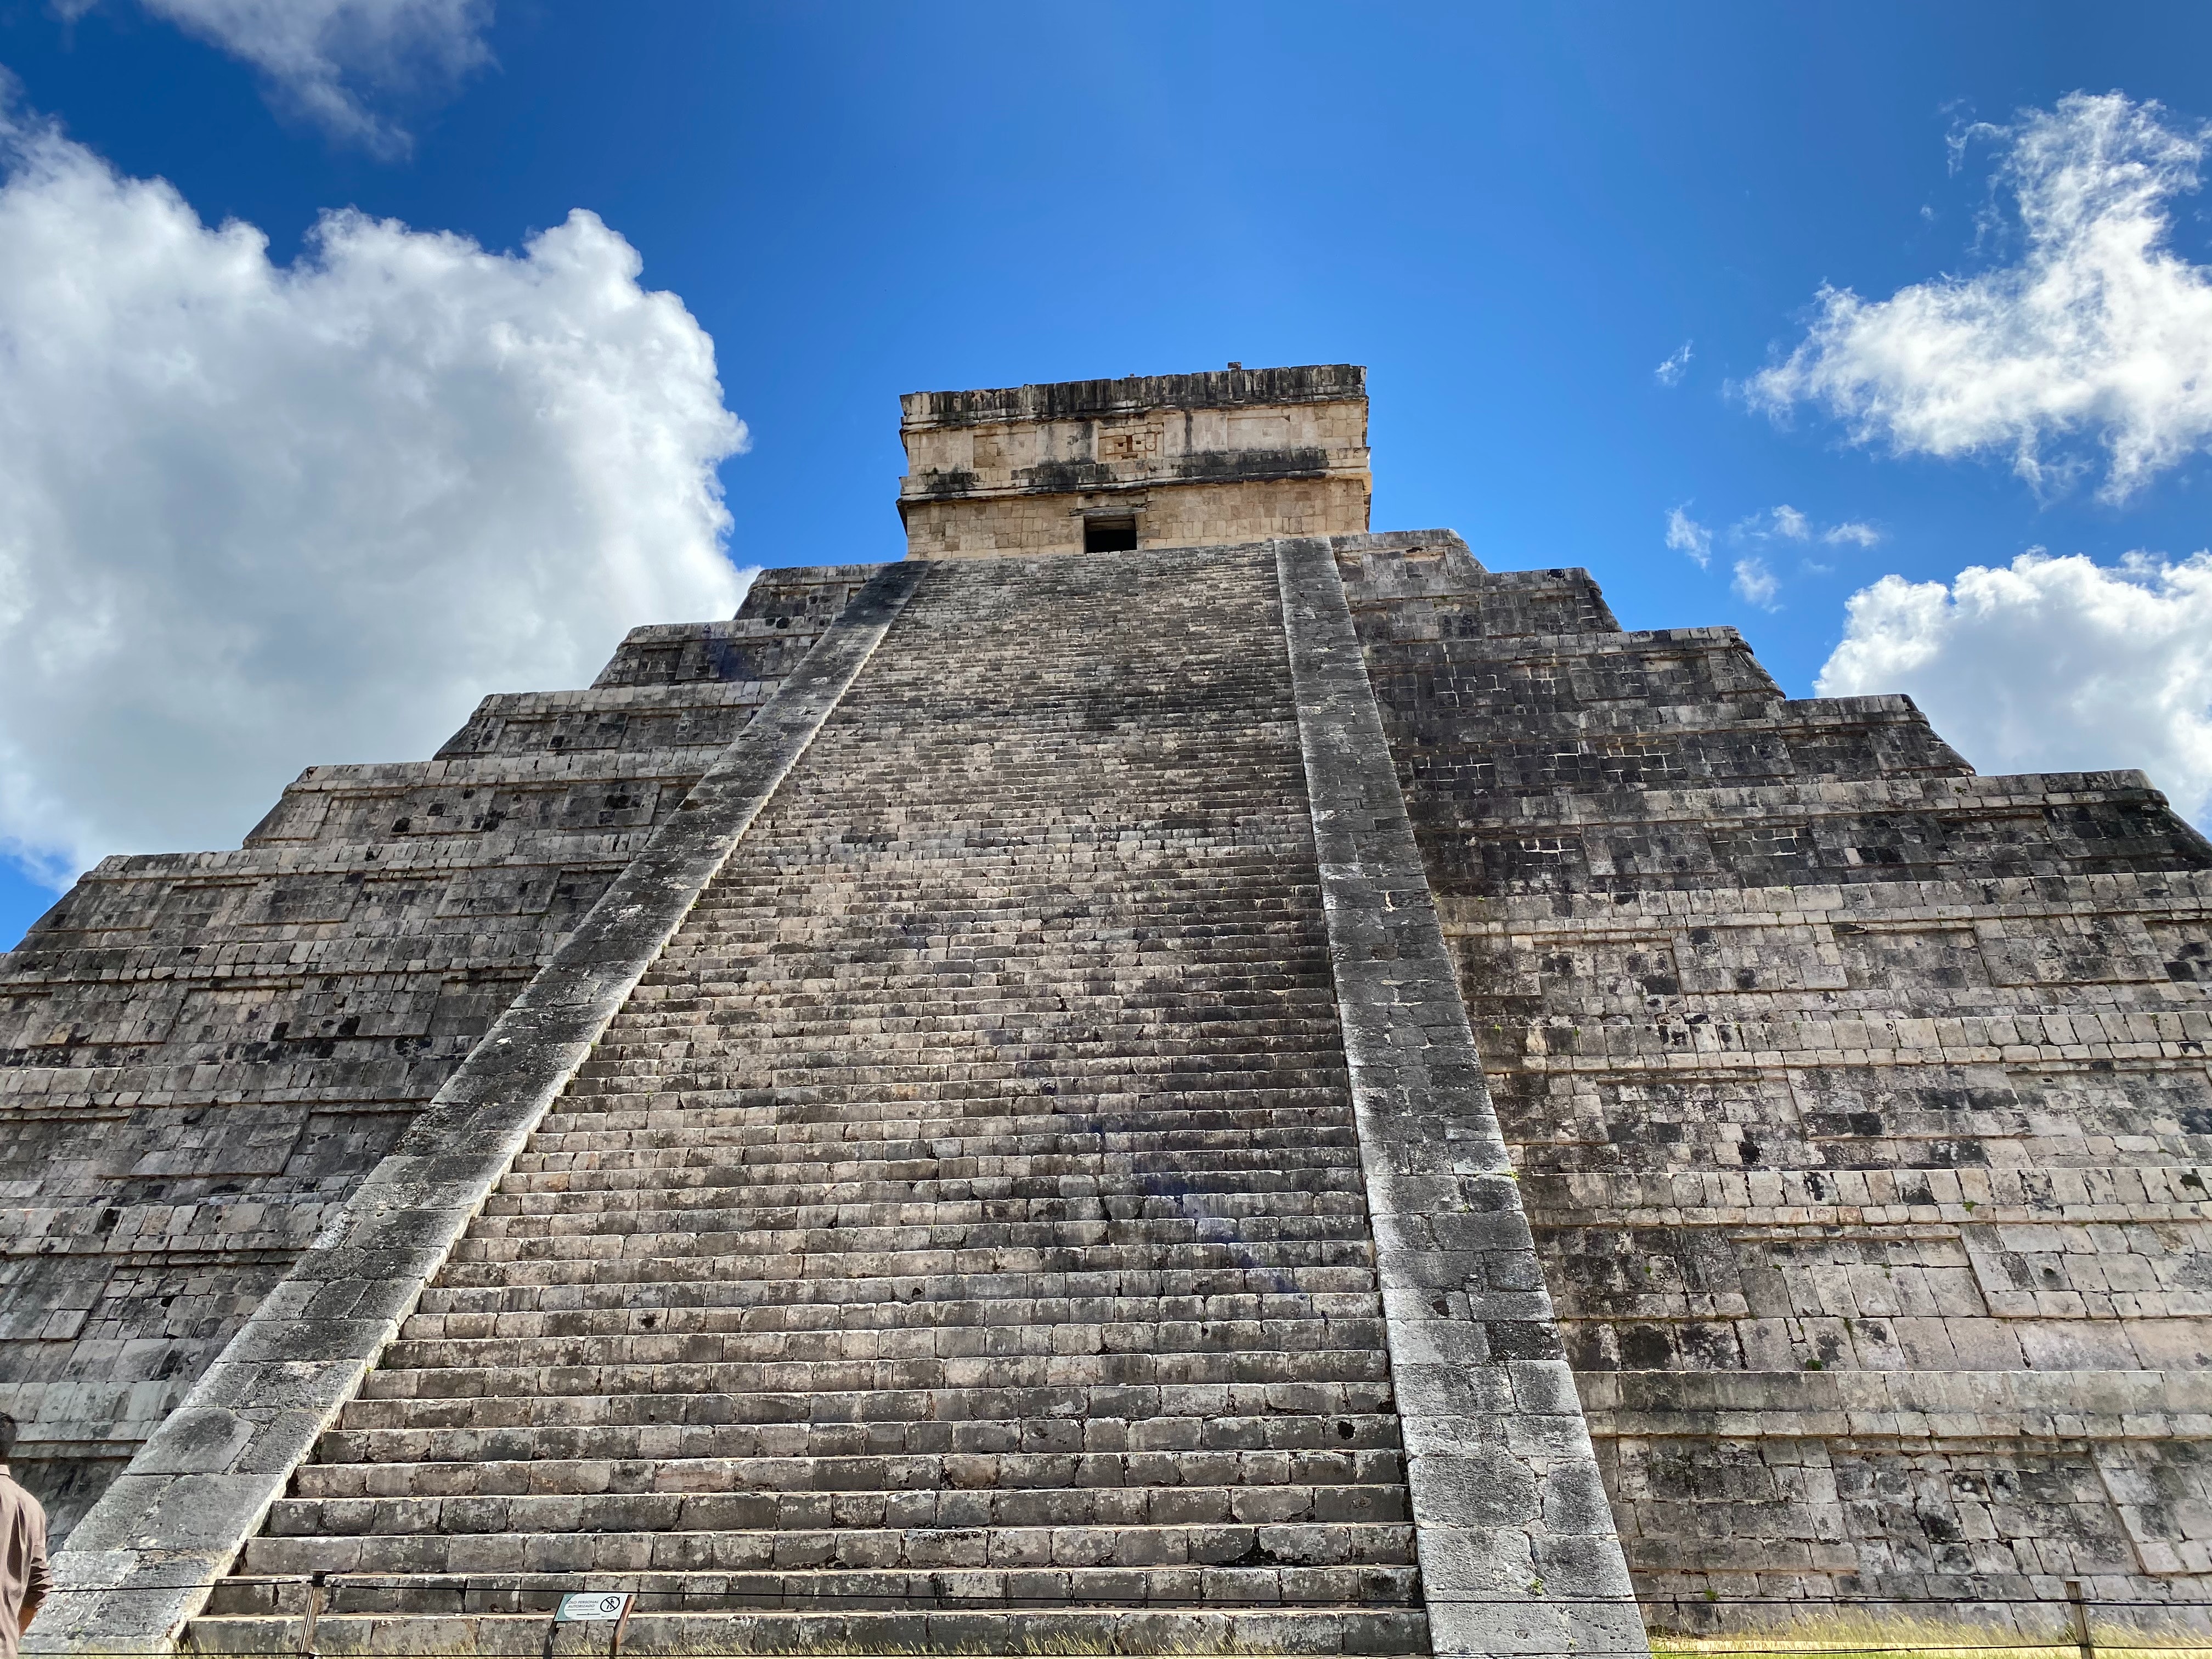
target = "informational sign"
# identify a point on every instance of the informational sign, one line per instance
(586, 1606)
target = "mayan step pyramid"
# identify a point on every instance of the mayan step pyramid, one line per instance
(1166, 1074)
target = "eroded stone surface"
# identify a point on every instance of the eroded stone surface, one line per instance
(965, 1214)
(1850, 1130)
(202, 1055)
(1178, 460)
(145, 1557)
(1859, 1105)
(1517, 1547)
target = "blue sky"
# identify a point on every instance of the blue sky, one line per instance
(1512, 215)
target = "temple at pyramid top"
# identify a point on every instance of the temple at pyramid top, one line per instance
(1146, 461)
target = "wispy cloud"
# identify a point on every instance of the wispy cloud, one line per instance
(1755, 584)
(1786, 523)
(1686, 535)
(1671, 371)
(332, 61)
(2099, 337)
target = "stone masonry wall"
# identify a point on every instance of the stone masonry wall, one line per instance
(1860, 1106)
(1187, 515)
(201, 1053)
(1196, 459)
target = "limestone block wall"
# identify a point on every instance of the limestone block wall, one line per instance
(201, 1053)
(1194, 458)
(1185, 515)
(1860, 1106)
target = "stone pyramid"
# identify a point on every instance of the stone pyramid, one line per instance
(1167, 1074)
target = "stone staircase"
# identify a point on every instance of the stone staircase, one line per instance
(202, 1055)
(957, 1240)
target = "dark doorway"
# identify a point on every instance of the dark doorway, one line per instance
(1109, 535)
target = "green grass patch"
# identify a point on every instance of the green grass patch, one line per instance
(1870, 1636)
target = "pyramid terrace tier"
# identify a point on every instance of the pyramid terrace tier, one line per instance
(1740, 740)
(1622, 841)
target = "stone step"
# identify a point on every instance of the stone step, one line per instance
(983, 975)
(1134, 1111)
(1279, 1004)
(959, 1247)
(922, 1168)
(879, 1192)
(1320, 1420)
(819, 1065)
(1262, 984)
(1382, 1584)
(623, 1182)
(913, 1029)
(923, 1342)
(638, 1298)
(978, 1088)
(1269, 1010)
(962, 1386)
(725, 1544)
(886, 1313)
(503, 1238)
(1281, 1259)
(1076, 1131)
(1141, 1116)
(1160, 871)
(461, 1462)
(1110, 1622)
(1011, 1124)
(1368, 1585)
(787, 1214)
(488, 1508)
(883, 902)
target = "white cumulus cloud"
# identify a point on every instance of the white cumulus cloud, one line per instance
(2098, 337)
(1686, 535)
(2049, 665)
(1755, 584)
(1857, 534)
(1789, 521)
(255, 517)
(330, 60)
